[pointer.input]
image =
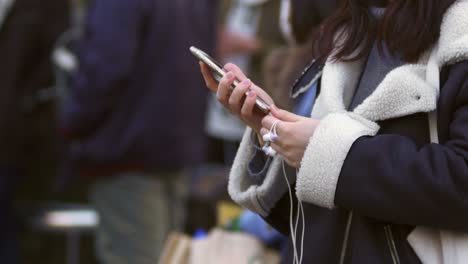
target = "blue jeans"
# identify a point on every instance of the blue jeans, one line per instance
(137, 211)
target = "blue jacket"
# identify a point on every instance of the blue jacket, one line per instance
(138, 99)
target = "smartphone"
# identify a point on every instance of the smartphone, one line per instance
(218, 72)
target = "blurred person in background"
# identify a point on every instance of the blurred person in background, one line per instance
(369, 163)
(283, 65)
(28, 31)
(249, 31)
(134, 116)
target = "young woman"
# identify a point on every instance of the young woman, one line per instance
(367, 173)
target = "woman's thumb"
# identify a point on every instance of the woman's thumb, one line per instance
(284, 115)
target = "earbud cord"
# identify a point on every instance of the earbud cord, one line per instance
(303, 224)
(300, 210)
(293, 234)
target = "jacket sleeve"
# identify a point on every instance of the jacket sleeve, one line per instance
(389, 178)
(257, 195)
(107, 54)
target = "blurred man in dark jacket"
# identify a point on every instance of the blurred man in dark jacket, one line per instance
(28, 31)
(135, 113)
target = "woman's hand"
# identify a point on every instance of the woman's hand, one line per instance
(294, 133)
(235, 100)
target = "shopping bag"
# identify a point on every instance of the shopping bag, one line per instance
(231, 248)
(176, 249)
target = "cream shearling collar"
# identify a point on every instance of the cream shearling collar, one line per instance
(453, 42)
(404, 90)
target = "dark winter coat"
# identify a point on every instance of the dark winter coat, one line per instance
(374, 161)
(138, 100)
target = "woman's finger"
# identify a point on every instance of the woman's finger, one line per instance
(249, 104)
(268, 121)
(283, 152)
(236, 98)
(278, 148)
(293, 163)
(230, 67)
(264, 131)
(210, 82)
(224, 88)
(284, 115)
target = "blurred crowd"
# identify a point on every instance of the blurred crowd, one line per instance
(103, 106)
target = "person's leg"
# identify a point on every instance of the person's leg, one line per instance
(8, 240)
(135, 217)
(178, 196)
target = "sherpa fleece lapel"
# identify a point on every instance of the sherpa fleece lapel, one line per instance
(404, 91)
(453, 43)
(339, 81)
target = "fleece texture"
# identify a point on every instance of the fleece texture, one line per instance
(453, 40)
(403, 92)
(333, 146)
(257, 198)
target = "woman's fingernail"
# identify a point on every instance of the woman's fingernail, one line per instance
(246, 82)
(230, 75)
(251, 94)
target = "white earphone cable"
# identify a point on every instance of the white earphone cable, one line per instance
(298, 255)
(303, 225)
(291, 210)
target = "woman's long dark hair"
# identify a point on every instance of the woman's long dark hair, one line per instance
(306, 15)
(408, 28)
